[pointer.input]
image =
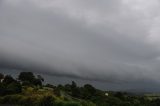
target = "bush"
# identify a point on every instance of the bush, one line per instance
(11, 88)
(10, 99)
(47, 101)
(14, 88)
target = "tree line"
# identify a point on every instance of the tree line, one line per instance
(9, 85)
(28, 89)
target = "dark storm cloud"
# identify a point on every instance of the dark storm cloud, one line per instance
(113, 40)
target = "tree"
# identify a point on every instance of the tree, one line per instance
(120, 95)
(2, 89)
(89, 88)
(10, 86)
(8, 79)
(75, 91)
(14, 87)
(67, 87)
(28, 79)
(40, 78)
(37, 82)
(1, 76)
(74, 85)
(26, 76)
(88, 91)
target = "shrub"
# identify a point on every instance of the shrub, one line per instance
(47, 101)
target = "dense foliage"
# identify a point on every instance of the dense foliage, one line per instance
(28, 89)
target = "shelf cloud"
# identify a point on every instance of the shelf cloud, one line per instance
(107, 40)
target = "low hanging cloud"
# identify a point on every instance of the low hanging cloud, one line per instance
(107, 40)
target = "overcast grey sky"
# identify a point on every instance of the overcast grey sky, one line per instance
(107, 40)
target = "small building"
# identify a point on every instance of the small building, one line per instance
(106, 94)
(1, 80)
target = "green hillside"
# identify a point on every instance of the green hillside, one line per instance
(29, 90)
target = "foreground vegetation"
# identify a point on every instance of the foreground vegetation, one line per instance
(29, 89)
